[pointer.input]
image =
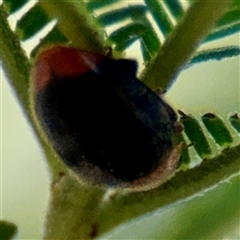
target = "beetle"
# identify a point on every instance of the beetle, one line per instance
(103, 122)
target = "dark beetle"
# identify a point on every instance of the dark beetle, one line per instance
(103, 122)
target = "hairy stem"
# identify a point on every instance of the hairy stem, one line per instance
(76, 24)
(183, 185)
(14, 61)
(73, 209)
(183, 42)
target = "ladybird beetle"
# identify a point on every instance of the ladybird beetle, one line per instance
(104, 123)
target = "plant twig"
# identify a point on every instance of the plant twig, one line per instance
(76, 24)
(15, 62)
(183, 42)
(73, 209)
(183, 185)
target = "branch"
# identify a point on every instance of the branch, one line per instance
(181, 45)
(73, 209)
(76, 24)
(15, 62)
(181, 187)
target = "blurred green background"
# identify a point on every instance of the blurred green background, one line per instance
(209, 87)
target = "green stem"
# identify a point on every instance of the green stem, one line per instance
(15, 62)
(76, 24)
(183, 42)
(73, 209)
(17, 68)
(183, 185)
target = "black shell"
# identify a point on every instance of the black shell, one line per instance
(105, 124)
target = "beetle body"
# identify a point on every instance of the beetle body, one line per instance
(103, 122)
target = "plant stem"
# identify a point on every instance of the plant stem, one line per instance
(17, 68)
(183, 42)
(73, 209)
(15, 62)
(182, 186)
(76, 24)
